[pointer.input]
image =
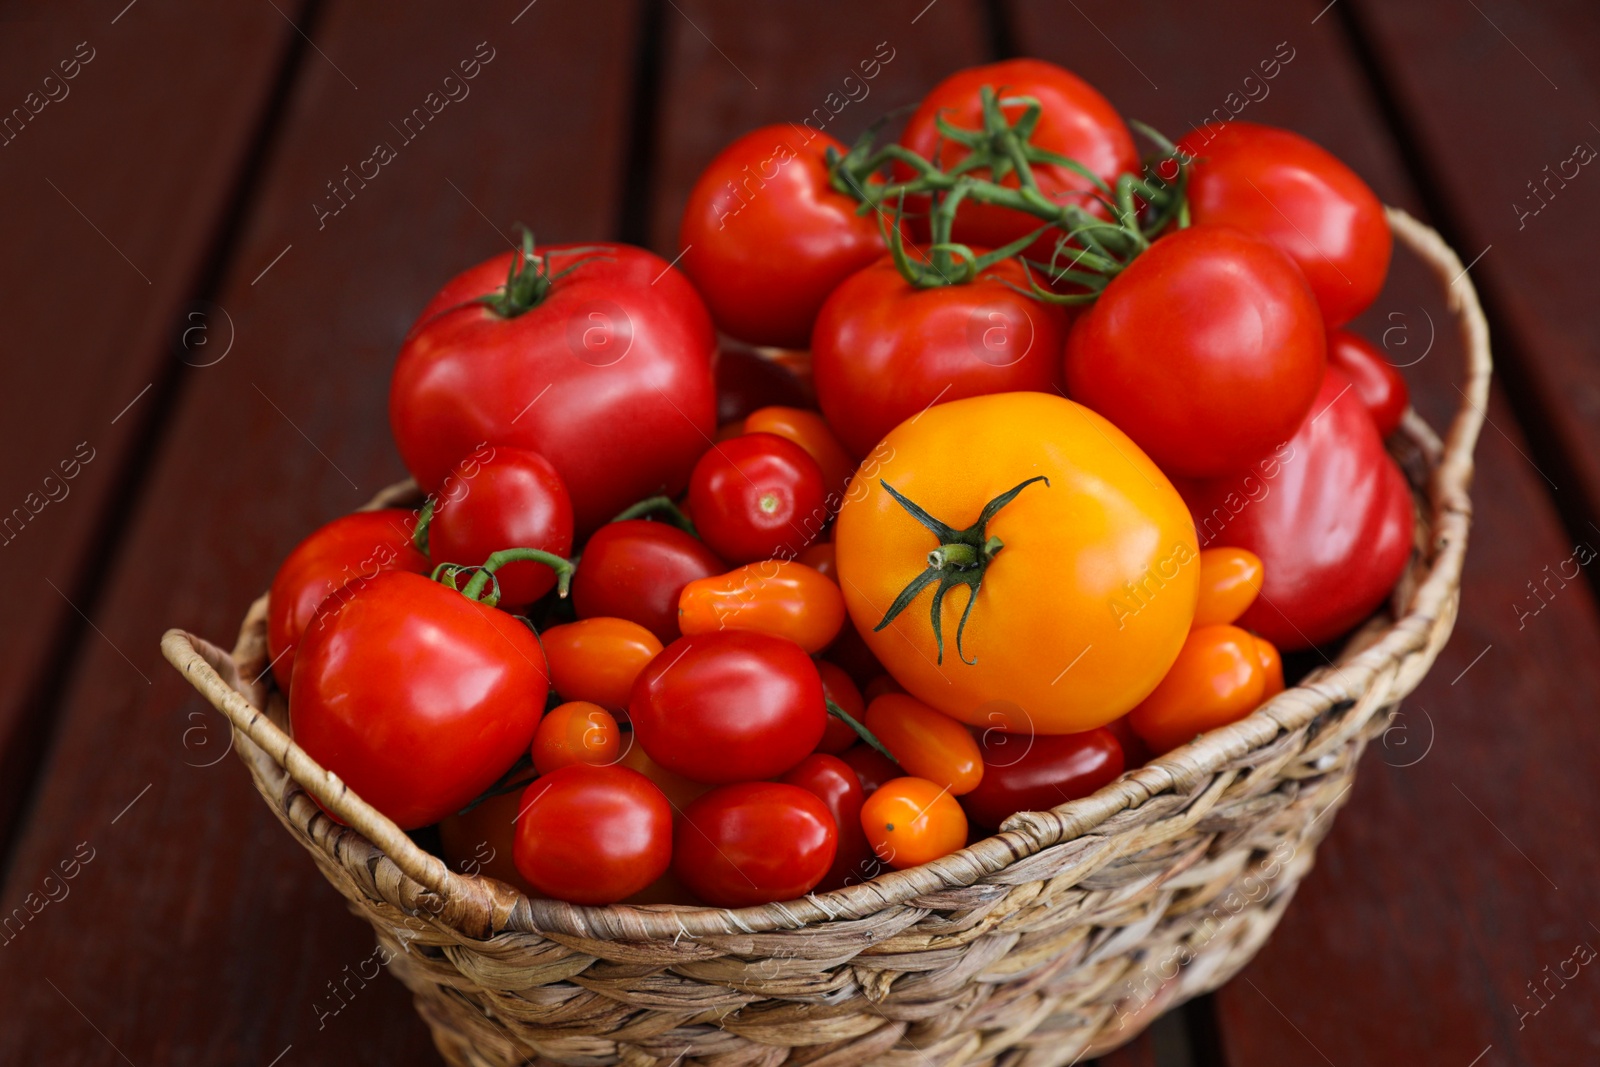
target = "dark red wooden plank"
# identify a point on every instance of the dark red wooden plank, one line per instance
(1431, 909)
(198, 933)
(1503, 111)
(122, 137)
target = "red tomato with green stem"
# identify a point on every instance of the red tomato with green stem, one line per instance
(1376, 380)
(768, 233)
(418, 697)
(361, 545)
(754, 843)
(636, 570)
(729, 706)
(593, 835)
(1296, 194)
(1038, 772)
(619, 341)
(757, 497)
(512, 499)
(1206, 350)
(1075, 121)
(885, 349)
(837, 786)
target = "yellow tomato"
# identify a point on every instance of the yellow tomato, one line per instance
(1230, 581)
(1077, 591)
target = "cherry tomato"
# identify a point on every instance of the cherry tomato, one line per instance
(880, 685)
(1024, 772)
(598, 659)
(1207, 351)
(679, 791)
(1076, 122)
(754, 843)
(850, 651)
(1330, 515)
(766, 236)
(729, 706)
(1376, 380)
(870, 765)
(774, 596)
(758, 496)
(1272, 664)
(513, 499)
(593, 835)
(886, 350)
(820, 557)
(416, 697)
(636, 569)
(909, 821)
(839, 688)
(812, 433)
(622, 343)
(1299, 196)
(838, 786)
(575, 732)
(1218, 678)
(1230, 580)
(361, 545)
(747, 380)
(482, 841)
(926, 743)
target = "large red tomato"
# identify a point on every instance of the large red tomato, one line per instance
(353, 546)
(1299, 196)
(1329, 514)
(766, 237)
(885, 350)
(414, 695)
(1076, 122)
(605, 371)
(1206, 350)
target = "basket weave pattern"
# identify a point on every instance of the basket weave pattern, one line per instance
(1059, 938)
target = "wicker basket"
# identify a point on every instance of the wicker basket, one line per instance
(1060, 938)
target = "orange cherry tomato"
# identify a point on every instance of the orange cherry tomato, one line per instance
(776, 596)
(819, 556)
(1272, 664)
(679, 791)
(811, 432)
(926, 743)
(1217, 678)
(911, 820)
(575, 732)
(598, 659)
(837, 687)
(1230, 580)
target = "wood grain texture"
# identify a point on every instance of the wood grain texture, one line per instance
(199, 934)
(1416, 940)
(116, 181)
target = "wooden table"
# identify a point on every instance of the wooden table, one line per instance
(198, 334)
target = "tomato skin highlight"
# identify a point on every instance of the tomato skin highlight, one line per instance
(926, 743)
(362, 544)
(1037, 773)
(1291, 191)
(575, 732)
(838, 687)
(775, 596)
(885, 350)
(1330, 515)
(636, 570)
(513, 499)
(623, 342)
(598, 659)
(729, 706)
(1217, 679)
(910, 821)
(754, 843)
(836, 784)
(1230, 581)
(766, 238)
(416, 697)
(757, 496)
(1376, 380)
(593, 835)
(1241, 351)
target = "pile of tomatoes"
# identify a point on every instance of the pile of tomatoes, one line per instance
(939, 480)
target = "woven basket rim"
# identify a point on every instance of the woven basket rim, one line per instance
(1362, 680)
